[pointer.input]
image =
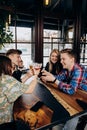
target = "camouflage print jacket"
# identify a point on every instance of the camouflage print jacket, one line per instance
(10, 90)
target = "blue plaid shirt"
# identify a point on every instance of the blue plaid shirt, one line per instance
(71, 81)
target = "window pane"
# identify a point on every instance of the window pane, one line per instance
(12, 29)
(55, 46)
(47, 49)
(45, 60)
(25, 48)
(51, 39)
(26, 53)
(23, 43)
(23, 34)
(26, 59)
(6, 47)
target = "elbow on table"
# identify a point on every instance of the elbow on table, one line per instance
(70, 91)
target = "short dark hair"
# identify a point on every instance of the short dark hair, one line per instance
(13, 51)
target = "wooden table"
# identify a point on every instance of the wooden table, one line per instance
(62, 105)
(72, 103)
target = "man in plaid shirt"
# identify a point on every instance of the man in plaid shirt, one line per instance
(73, 76)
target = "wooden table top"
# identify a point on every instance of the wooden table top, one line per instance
(62, 105)
(72, 103)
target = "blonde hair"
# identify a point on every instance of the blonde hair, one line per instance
(58, 58)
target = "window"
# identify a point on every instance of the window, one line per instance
(22, 40)
(51, 39)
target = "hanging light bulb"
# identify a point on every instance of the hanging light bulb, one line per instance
(47, 2)
(6, 26)
(9, 18)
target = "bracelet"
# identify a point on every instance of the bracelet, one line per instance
(54, 80)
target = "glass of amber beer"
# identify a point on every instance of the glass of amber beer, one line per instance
(37, 68)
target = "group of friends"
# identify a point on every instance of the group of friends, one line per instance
(62, 70)
(65, 72)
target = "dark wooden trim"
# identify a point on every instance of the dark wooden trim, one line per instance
(39, 33)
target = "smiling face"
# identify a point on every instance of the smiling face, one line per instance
(54, 57)
(67, 61)
(15, 58)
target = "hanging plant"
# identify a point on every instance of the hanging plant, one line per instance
(6, 35)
